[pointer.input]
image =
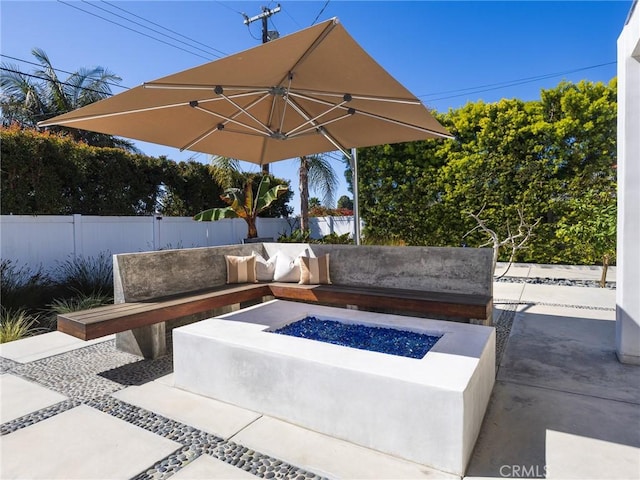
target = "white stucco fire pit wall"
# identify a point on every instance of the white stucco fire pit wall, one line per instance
(426, 410)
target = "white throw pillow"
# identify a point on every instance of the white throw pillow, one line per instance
(287, 268)
(265, 268)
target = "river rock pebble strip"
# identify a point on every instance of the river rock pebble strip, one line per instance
(91, 374)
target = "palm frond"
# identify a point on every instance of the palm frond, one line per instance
(226, 171)
(322, 179)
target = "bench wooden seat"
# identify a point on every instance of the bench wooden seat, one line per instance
(423, 303)
(110, 319)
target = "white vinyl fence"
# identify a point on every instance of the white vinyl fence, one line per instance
(44, 240)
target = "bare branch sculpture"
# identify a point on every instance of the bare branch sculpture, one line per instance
(516, 241)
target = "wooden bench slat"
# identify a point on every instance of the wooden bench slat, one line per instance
(116, 318)
(435, 303)
(108, 312)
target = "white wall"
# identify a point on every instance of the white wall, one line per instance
(47, 239)
(628, 288)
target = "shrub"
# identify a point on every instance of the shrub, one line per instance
(80, 302)
(334, 239)
(17, 324)
(297, 236)
(22, 288)
(87, 276)
(391, 240)
(74, 304)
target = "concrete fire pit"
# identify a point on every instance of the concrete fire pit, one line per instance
(427, 410)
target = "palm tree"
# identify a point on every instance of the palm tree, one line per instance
(30, 98)
(226, 171)
(316, 172)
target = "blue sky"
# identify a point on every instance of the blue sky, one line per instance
(447, 53)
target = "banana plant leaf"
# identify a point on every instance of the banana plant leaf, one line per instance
(267, 195)
(242, 203)
(214, 214)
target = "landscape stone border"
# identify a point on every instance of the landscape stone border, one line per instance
(91, 374)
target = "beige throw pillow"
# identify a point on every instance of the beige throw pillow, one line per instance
(241, 269)
(314, 271)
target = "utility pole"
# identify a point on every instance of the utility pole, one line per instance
(267, 36)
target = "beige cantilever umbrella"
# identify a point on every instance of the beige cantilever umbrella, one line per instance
(313, 91)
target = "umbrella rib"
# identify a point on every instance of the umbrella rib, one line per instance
(113, 114)
(335, 143)
(138, 110)
(374, 98)
(331, 25)
(322, 130)
(217, 127)
(188, 86)
(311, 120)
(380, 117)
(247, 113)
(284, 108)
(200, 138)
(273, 108)
(231, 119)
(405, 124)
(315, 127)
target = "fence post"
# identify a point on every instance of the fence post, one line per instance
(156, 231)
(76, 221)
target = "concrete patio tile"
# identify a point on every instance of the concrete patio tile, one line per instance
(578, 457)
(507, 291)
(81, 443)
(328, 456)
(571, 350)
(207, 468)
(166, 380)
(516, 433)
(46, 345)
(571, 272)
(583, 296)
(515, 270)
(18, 397)
(209, 415)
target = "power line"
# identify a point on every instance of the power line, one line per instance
(165, 28)
(294, 20)
(11, 70)
(151, 29)
(506, 84)
(133, 30)
(228, 7)
(57, 69)
(320, 12)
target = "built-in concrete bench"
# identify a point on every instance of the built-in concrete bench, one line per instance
(152, 288)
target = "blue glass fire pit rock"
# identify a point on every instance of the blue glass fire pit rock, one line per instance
(376, 339)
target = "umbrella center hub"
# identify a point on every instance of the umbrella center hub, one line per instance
(278, 91)
(278, 135)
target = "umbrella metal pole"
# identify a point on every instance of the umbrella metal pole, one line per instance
(354, 182)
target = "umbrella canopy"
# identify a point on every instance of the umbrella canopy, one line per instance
(313, 91)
